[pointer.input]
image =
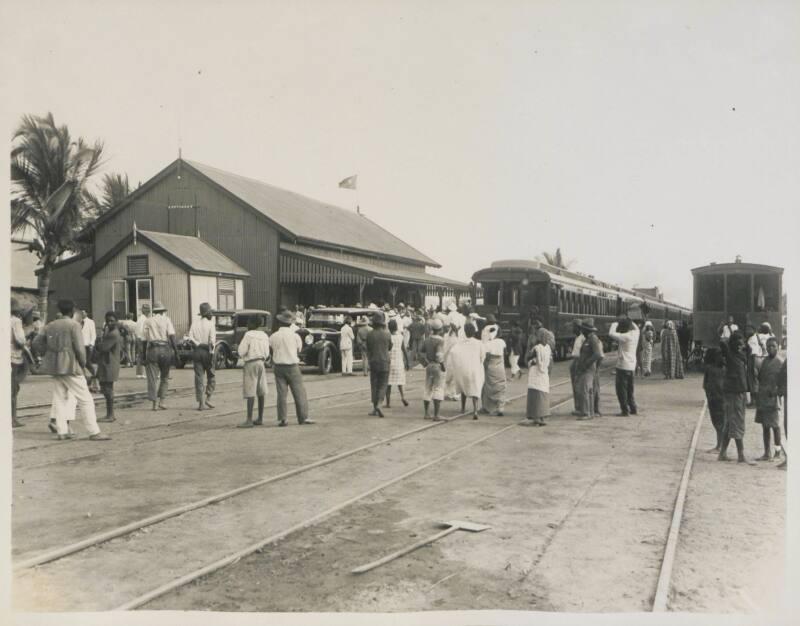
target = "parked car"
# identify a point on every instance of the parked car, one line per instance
(231, 327)
(321, 337)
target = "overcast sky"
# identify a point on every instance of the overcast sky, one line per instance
(643, 138)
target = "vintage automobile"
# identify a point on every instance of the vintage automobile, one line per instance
(321, 337)
(231, 327)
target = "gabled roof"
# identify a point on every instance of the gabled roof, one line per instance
(191, 253)
(312, 220)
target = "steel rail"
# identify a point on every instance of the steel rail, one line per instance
(131, 527)
(670, 549)
(236, 556)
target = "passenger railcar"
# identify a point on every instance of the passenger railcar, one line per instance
(516, 290)
(749, 292)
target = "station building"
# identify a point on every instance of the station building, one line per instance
(270, 247)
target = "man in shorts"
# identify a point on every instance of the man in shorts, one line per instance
(254, 351)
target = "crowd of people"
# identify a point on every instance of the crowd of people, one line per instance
(463, 355)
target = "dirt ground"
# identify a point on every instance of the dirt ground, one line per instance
(579, 511)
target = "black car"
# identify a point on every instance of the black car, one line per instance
(321, 337)
(231, 327)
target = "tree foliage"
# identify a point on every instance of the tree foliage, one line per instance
(49, 175)
(114, 188)
(556, 259)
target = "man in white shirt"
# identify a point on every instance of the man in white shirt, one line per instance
(626, 334)
(285, 345)
(203, 335)
(160, 349)
(140, 340)
(576, 352)
(89, 334)
(346, 339)
(254, 351)
(728, 329)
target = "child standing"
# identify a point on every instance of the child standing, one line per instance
(734, 389)
(713, 382)
(398, 363)
(254, 351)
(767, 404)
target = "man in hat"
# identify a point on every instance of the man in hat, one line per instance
(432, 359)
(203, 335)
(362, 331)
(574, 354)
(19, 368)
(285, 345)
(160, 350)
(61, 343)
(140, 340)
(379, 344)
(590, 356)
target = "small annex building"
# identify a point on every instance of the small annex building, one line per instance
(177, 270)
(283, 247)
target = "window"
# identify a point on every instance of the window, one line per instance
(738, 292)
(119, 297)
(138, 265)
(766, 292)
(710, 291)
(226, 294)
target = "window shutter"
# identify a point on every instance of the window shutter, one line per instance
(138, 265)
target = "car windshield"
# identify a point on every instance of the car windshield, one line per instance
(224, 322)
(321, 319)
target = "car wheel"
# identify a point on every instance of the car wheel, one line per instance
(220, 358)
(325, 361)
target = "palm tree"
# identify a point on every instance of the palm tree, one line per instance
(49, 171)
(556, 259)
(114, 188)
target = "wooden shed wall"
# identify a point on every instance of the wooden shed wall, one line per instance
(170, 284)
(232, 228)
(67, 281)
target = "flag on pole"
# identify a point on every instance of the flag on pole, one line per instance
(349, 182)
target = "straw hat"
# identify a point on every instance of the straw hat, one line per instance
(285, 317)
(158, 306)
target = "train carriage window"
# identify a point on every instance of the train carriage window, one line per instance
(490, 293)
(738, 292)
(710, 292)
(766, 296)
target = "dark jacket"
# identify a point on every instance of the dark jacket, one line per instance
(379, 344)
(109, 348)
(735, 370)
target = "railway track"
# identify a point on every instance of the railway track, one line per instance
(183, 579)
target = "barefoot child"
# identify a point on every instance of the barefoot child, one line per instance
(734, 388)
(431, 357)
(254, 350)
(713, 381)
(767, 404)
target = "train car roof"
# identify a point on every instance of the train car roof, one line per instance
(721, 268)
(563, 276)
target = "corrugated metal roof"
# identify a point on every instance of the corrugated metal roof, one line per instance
(195, 253)
(313, 220)
(380, 272)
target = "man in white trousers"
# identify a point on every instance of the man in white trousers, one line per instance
(61, 343)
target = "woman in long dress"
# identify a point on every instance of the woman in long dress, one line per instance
(671, 360)
(493, 397)
(538, 384)
(398, 363)
(466, 366)
(648, 337)
(450, 340)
